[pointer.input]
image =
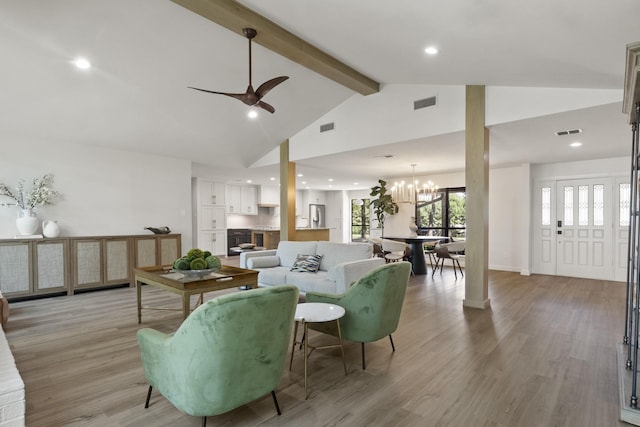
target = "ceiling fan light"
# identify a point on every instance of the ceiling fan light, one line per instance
(82, 63)
(431, 50)
(252, 114)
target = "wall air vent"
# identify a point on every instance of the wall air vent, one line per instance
(568, 132)
(327, 127)
(423, 103)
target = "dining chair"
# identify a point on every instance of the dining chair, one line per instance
(453, 251)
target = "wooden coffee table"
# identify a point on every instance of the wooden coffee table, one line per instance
(164, 277)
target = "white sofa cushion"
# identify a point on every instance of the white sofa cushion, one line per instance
(314, 282)
(263, 262)
(273, 276)
(288, 251)
(336, 253)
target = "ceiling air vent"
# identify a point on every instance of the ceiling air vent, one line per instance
(568, 132)
(423, 103)
(327, 127)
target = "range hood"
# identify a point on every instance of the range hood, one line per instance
(269, 196)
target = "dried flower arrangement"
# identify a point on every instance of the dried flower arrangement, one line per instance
(41, 193)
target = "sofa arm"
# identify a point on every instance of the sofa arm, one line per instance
(347, 273)
(244, 256)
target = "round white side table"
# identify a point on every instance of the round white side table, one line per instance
(316, 312)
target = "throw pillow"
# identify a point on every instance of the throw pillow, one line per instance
(307, 263)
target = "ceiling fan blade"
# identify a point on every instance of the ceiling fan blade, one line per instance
(251, 97)
(265, 87)
(240, 96)
(266, 106)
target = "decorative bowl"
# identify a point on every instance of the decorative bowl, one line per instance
(246, 245)
(197, 273)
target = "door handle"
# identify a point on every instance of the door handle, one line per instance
(559, 231)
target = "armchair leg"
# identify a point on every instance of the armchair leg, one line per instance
(146, 403)
(275, 401)
(393, 347)
(364, 366)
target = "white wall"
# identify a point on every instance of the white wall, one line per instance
(105, 192)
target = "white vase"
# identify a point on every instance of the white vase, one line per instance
(413, 228)
(27, 222)
(50, 228)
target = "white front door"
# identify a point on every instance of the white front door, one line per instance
(584, 225)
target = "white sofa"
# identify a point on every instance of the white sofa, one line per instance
(342, 264)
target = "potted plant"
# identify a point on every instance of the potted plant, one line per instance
(384, 204)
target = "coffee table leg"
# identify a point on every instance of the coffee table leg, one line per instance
(306, 356)
(139, 296)
(341, 347)
(186, 305)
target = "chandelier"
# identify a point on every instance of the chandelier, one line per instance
(411, 192)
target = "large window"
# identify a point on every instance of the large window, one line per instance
(360, 219)
(443, 214)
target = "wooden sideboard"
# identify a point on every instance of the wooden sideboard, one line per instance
(32, 267)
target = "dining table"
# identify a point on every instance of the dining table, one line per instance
(418, 261)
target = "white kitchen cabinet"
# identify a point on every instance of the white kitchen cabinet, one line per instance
(242, 199)
(249, 200)
(211, 192)
(233, 199)
(211, 204)
(214, 241)
(212, 217)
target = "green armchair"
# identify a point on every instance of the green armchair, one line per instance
(229, 351)
(373, 305)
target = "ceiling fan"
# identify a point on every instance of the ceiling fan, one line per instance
(251, 97)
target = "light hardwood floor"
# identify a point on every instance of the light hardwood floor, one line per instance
(543, 355)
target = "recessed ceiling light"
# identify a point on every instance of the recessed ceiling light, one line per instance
(82, 63)
(300, 175)
(272, 179)
(249, 181)
(252, 114)
(356, 183)
(330, 179)
(304, 182)
(431, 50)
(575, 144)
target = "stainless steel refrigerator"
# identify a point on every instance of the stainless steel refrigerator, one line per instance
(316, 216)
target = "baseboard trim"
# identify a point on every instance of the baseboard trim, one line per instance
(481, 304)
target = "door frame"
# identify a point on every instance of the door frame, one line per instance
(546, 240)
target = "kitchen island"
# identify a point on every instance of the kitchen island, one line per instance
(269, 238)
(311, 234)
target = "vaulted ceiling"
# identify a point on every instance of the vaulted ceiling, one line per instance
(145, 53)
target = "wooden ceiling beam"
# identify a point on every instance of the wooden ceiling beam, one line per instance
(234, 16)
